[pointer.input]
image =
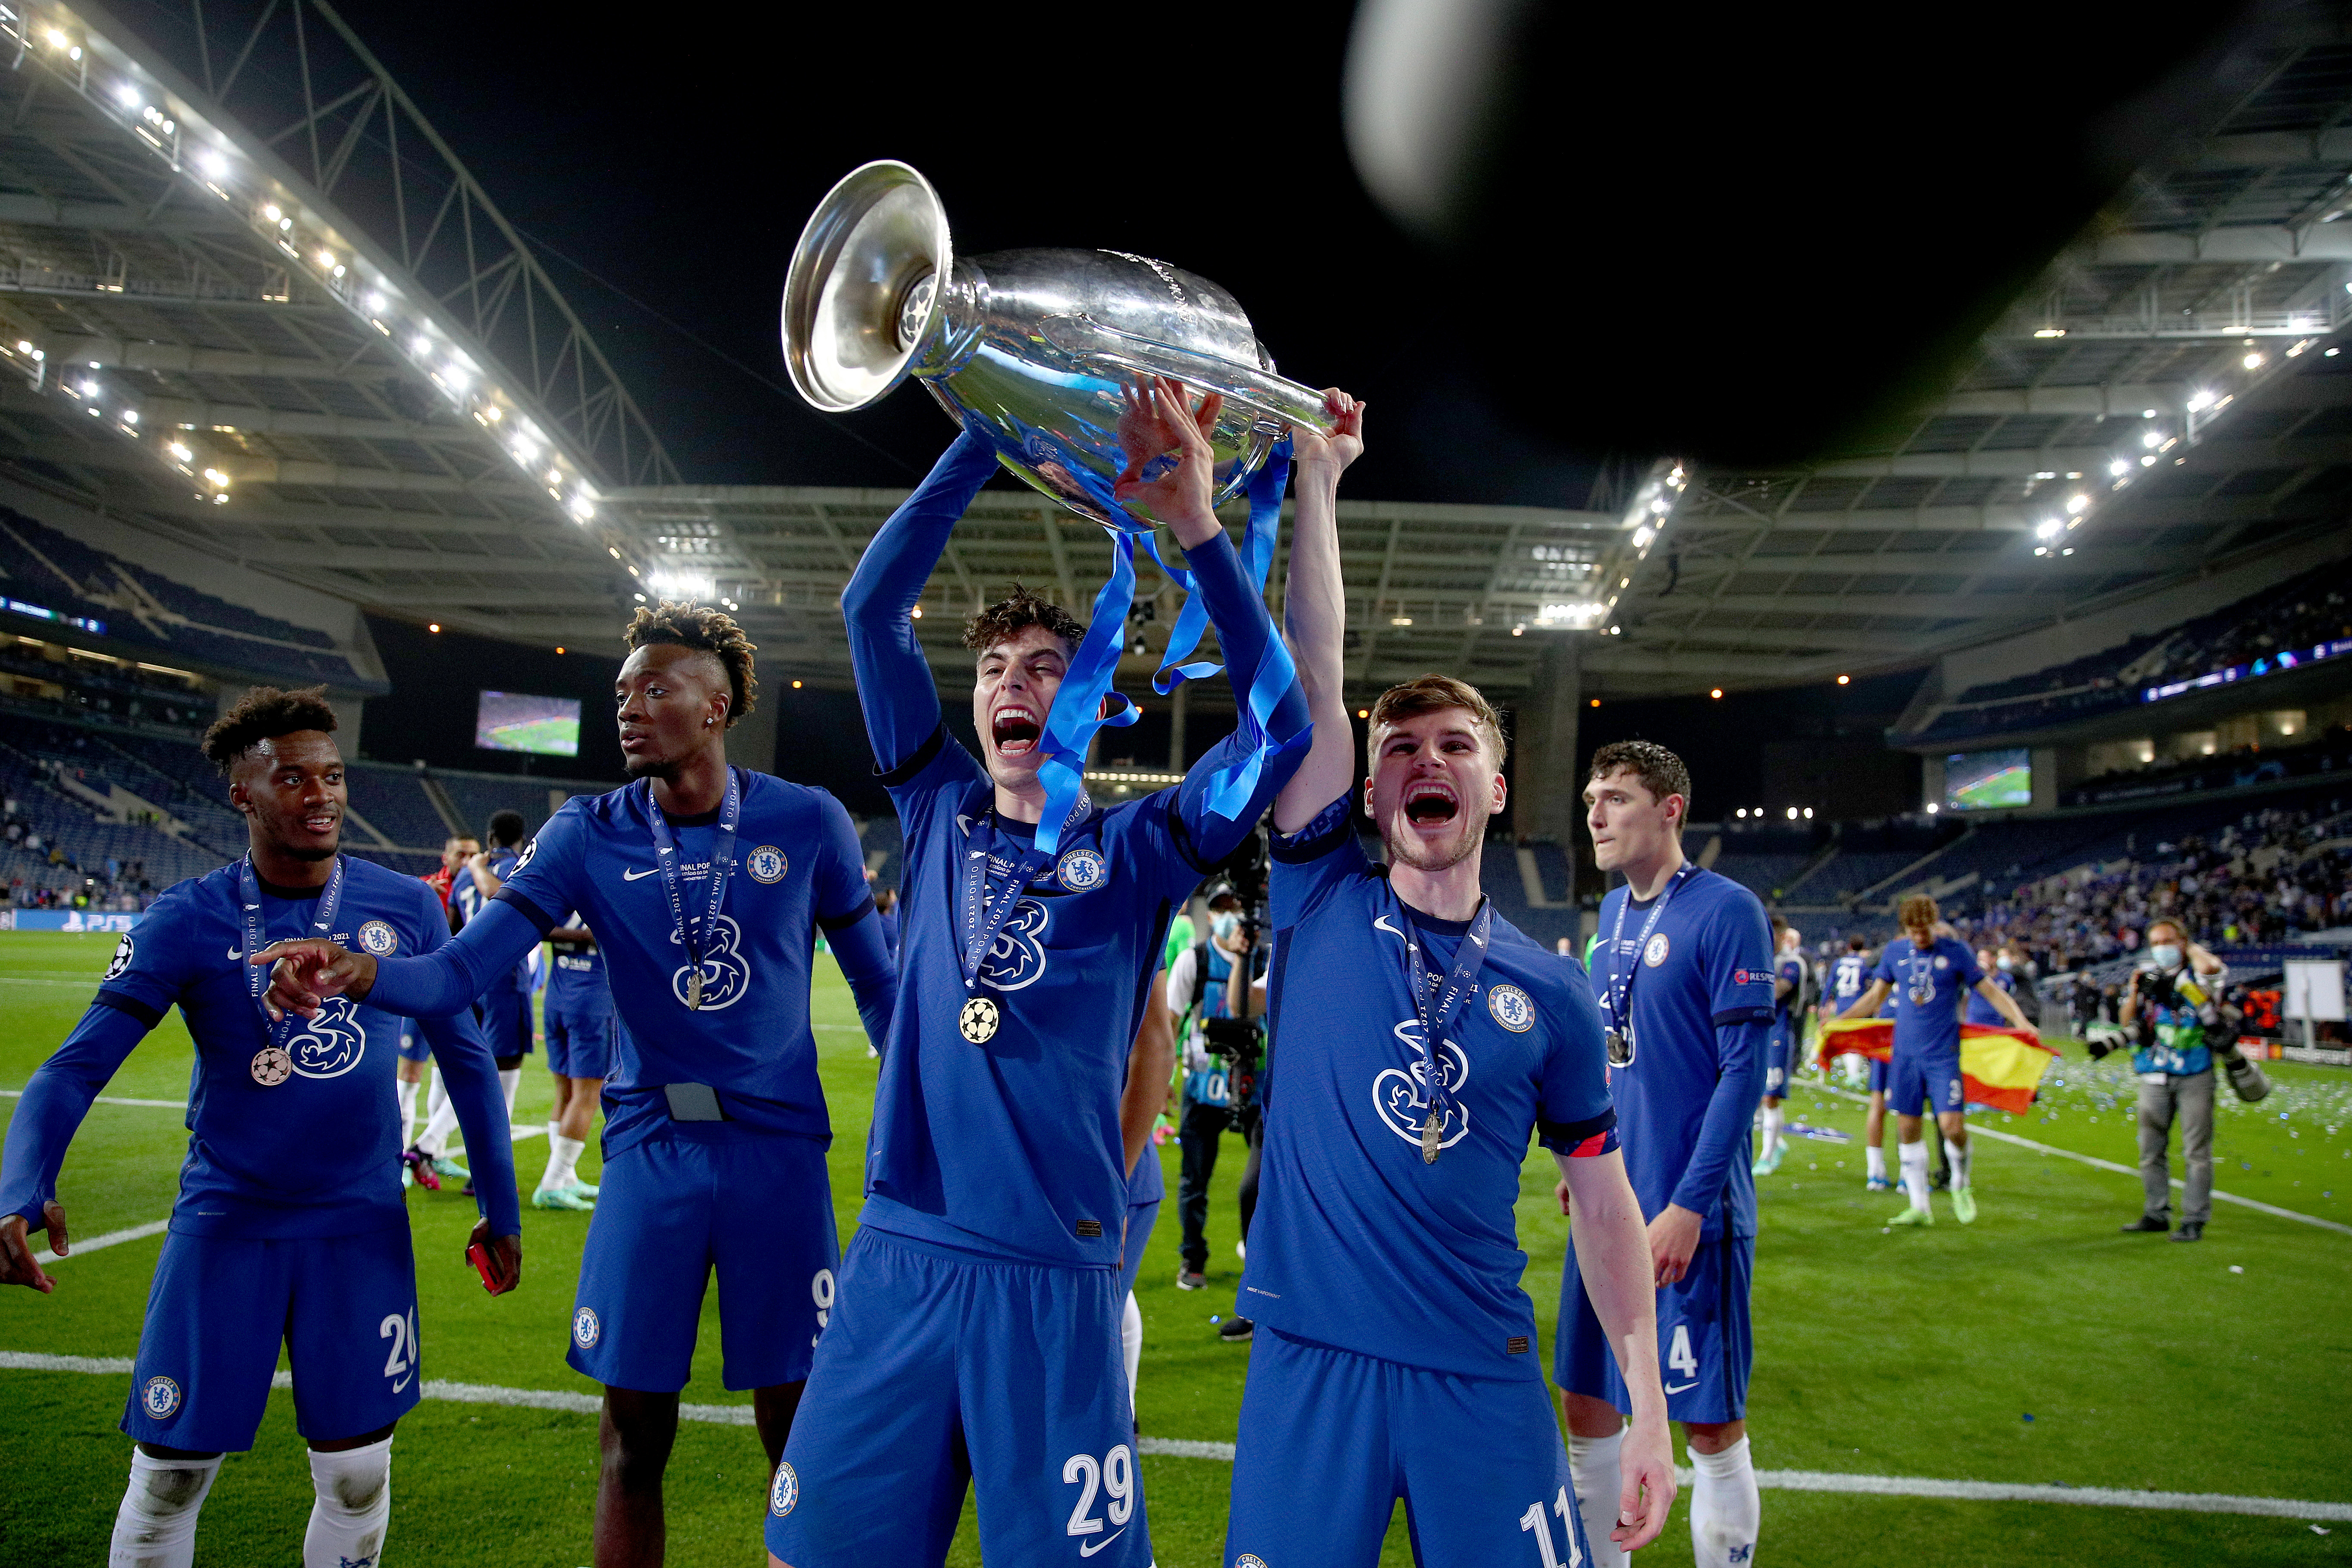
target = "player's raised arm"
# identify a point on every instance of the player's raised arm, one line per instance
(1161, 419)
(894, 689)
(1315, 612)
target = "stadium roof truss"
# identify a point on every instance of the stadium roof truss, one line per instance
(252, 301)
(2169, 397)
(256, 304)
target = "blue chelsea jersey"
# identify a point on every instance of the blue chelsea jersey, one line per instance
(1983, 1012)
(576, 987)
(317, 1154)
(796, 867)
(1790, 967)
(1010, 1147)
(1849, 977)
(1707, 962)
(1927, 982)
(1358, 1241)
(466, 898)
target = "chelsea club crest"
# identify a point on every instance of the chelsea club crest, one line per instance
(1510, 1006)
(767, 864)
(1079, 869)
(787, 1491)
(160, 1398)
(379, 937)
(585, 1328)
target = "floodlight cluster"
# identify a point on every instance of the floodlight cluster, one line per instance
(306, 241)
(1646, 518)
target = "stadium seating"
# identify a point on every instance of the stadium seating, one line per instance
(2298, 614)
(52, 573)
(1765, 875)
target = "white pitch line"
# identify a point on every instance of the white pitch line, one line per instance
(100, 1243)
(113, 1099)
(1977, 1128)
(1190, 1448)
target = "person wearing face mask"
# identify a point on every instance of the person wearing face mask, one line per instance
(2001, 969)
(2171, 1009)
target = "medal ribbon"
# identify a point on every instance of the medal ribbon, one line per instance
(257, 975)
(983, 918)
(1621, 986)
(1459, 983)
(694, 933)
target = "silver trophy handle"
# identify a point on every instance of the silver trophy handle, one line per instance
(1129, 354)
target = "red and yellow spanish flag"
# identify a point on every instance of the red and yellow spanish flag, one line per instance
(1998, 1066)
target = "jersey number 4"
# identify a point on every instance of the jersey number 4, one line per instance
(1534, 1519)
(1114, 1476)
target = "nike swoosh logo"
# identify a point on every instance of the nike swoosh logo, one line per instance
(1382, 924)
(963, 822)
(1090, 1547)
(627, 876)
(1677, 1388)
(234, 955)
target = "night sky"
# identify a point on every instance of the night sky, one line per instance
(1742, 241)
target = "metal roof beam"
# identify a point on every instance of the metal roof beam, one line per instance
(1941, 606)
(2017, 562)
(2255, 243)
(114, 217)
(2019, 463)
(2275, 148)
(2165, 397)
(67, 349)
(1875, 520)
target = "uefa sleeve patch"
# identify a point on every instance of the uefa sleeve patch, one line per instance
(123, 952)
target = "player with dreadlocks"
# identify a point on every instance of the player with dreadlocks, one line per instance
(290, 1226)
(705, 884)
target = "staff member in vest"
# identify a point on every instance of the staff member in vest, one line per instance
(2171, 1009)
(1197, 981)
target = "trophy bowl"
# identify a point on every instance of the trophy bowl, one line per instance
(1030, 348)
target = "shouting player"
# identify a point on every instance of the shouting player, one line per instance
(977, 1339)
(1684, 974)
(1926, 974)
(1425, 1041)
(706, 886)
(289, 1227)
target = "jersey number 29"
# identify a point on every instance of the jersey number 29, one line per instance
(1114, 1476)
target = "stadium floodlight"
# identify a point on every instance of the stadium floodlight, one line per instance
(1793, 814)
(1931, 808)
(127, 95)
(420, 345)
(1741, 813)
(180, 452)
(2119, 467)
(2154, 437)
(1809, 814)
(672, 584)
(2077, 503)
(131, 417)
(1641, 537)
(375, 302)
(2198, 400)
(273, 212)
(90, 389)
(2047, 528)
(2253, 362)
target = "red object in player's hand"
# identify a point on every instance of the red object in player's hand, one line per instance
(479, 1256)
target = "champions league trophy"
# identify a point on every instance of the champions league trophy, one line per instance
(1030, 347)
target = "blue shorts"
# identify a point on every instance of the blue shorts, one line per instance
(344, 1307)
(412, 1047)
(1469, 1456)
(1705, 1347)
(940, 1369)
(1140, 1218)
(579, 1045)
(1877, 1076)
(1915, 1080)
(703, 1195)
(504, 1015)
(1775, 1064)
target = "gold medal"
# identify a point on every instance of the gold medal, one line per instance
(271, 1067)
(694, 990)
(1429, 1131)
(978, 1021)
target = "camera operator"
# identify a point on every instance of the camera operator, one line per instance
(1219, 1087)
(2170, 1011)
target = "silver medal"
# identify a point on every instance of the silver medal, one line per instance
(271, 1067)
(694, 990)
(978, 1021)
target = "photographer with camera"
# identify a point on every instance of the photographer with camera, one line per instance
(1220, 1068)
(2172, 1014)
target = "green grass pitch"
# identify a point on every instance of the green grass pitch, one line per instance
(2219, 1367)
(549, 737)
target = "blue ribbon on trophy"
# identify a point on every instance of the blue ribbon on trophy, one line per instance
(1028, 349)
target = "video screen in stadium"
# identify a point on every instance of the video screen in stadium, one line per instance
(511, 721)
(1989, 781)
